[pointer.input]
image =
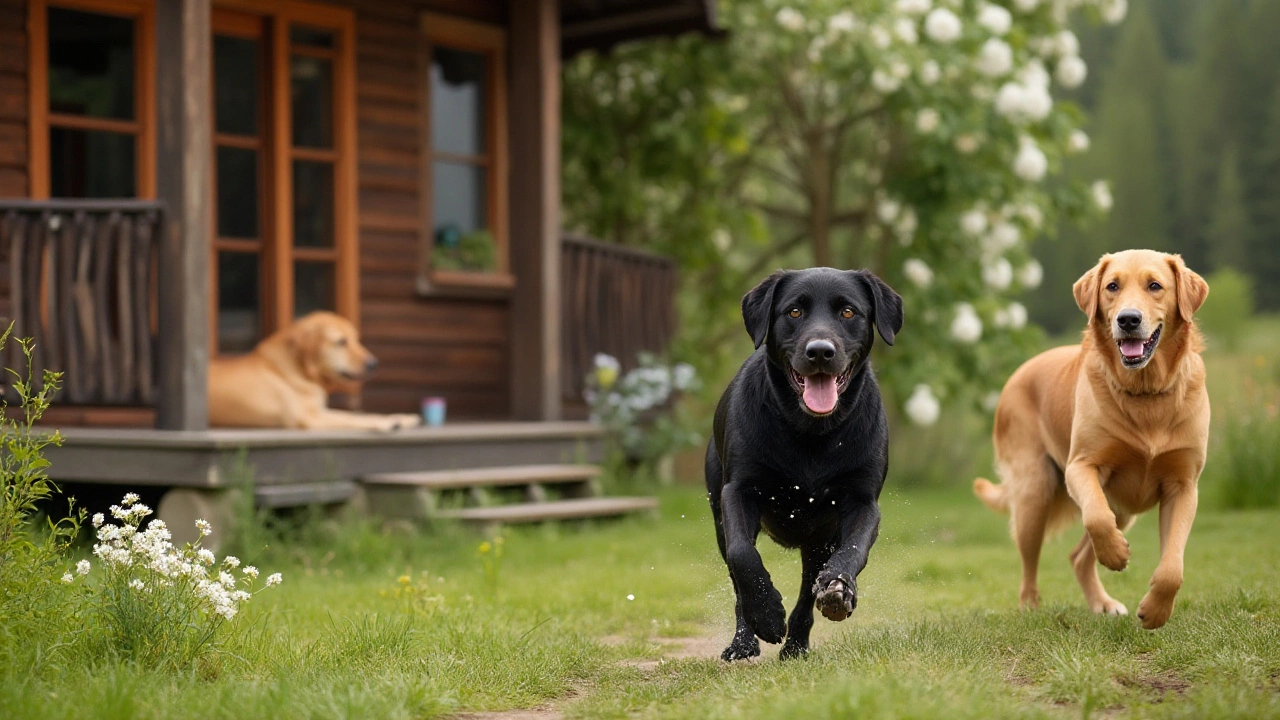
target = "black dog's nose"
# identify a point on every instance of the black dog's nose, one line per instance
(370, 364)
(820, 350)
(1129, 320)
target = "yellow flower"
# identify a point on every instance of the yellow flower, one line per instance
(404, 580)
(606, 376)
(485, 547)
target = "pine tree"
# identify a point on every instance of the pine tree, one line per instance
(1264, 262)
(1230, 228)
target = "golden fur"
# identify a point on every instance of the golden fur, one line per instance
(1079, 434)
(286, 380)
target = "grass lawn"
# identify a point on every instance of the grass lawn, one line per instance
(936, 633)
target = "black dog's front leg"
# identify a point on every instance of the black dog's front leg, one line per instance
(836, 588)
(760, 601)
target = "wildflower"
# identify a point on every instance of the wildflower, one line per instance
(905, 30)
(998, 274)
(995, 19)
(68, 578)
(922, 407)
(995, 58)
(887, 210)
(404, 579)
(206, 556)
(1026, 6)
(918, 272)
(880, 37)
(1066, 44)
(129, 499)
(1102, 195)
(974, 222)
(1004, 235)
(203, 527)
(274, 579)
(136, 584)
(967, 144)
(98, 519)
(914, 7)
(1077, 141)
(1017, 315)
(907, 225)
(1023, 102)
(930, 72)
(82, 568)
(942, 26)
(607, 368)
(1030, 164)
(231, 561)
(991, 401)
(884, 82)
(791, 19)
(842, 22)
(927, 120)
(966, 327)
(1071, 72)
(1113, 11)
(250, 571)
(631, 597)
(1030, 275)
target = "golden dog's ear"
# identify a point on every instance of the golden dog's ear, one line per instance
(1088, 287)
(1192, 289)
(304, 341)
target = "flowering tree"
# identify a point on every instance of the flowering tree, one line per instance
(918, 138)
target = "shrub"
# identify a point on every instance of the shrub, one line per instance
(1226, 312)
(1247, 462)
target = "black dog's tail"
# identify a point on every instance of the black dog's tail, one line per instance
(991, 495)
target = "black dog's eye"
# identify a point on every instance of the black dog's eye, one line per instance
(1113, 286)
(795, 312)
(846, 313)
(1154, 286)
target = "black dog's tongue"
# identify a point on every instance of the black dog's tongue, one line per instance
(820, 393)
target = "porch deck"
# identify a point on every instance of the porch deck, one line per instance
(211, 459)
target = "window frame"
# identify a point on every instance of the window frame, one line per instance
(278, 251)
(41, 121)
(491, 41)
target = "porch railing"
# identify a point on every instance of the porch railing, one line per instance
(614, 300)
(82, 281)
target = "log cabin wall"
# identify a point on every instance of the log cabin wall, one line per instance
(453, 347)
(13, 119)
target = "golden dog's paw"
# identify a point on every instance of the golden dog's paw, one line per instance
(1112, 549)
(1154, 610)
(1109, 606)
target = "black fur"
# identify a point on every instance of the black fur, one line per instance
(811, 482)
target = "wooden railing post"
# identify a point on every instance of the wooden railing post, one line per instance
(183, 48)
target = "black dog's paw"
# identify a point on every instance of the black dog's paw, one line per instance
(835, 596)
(744, 646)
(765, 614)
(793, 649)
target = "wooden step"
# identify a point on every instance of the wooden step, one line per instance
(488, 477)
(557, 510)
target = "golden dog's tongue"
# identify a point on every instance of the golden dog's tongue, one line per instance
(1131, 348)
(820, 393)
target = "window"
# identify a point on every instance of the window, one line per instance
(92, 99)
(284, 169)
(464, 156)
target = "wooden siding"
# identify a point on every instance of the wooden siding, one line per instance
(455, 348)
(13, 121)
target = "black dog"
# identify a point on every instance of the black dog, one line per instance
(801, 448)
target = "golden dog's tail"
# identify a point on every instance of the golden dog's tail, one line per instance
(991, 495)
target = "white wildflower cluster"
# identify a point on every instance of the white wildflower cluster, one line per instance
(966, 326)
(918, 272)
(923, 407)
(644, 388)
(145, 560)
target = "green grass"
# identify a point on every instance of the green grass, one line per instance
(936, 633)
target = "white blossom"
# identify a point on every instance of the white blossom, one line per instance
(1067, 44)
(789, 18)
(927, 120)
(995, 19)
(884, 82)
(966, 326)
(136, 584)
(98, 519)
(974, 222)
(1031, 274)
(998, 274)
(991, 401)
(68, 578)
(1071, 72)
(82, 567)
(1102, 195)
(905, 30)
(231, 561)
(1017, 315)
(1026, 6)
(887, 209)
(1113, 11)
(913, 7)
(1030, 164)
(995, 58)
(206, 556)
(967, 144)
(250, 571)
(922, 407)
(906, 227)
(930, 72)
(880, 37)
(129, 499)
(919, 273)
(274, 579)
(1077, 141)
(1003, 236)
(1022, 102)
(942, 26)
(842, 22)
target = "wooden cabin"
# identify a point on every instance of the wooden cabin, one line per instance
(179, 178)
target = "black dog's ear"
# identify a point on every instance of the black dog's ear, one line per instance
(886, 309)
(757, 307)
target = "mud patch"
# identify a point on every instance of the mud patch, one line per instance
(1158, 684)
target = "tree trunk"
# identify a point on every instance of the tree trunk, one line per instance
(820, 199)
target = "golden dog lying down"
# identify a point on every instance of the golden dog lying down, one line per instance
(1107, 429)
(285, 382)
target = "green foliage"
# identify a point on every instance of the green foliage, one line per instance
(1230, 228)
(475, 251)
(1227, 314)
(34, 607)
(639, 409)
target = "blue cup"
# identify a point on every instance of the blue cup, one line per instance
(433, 411)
